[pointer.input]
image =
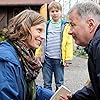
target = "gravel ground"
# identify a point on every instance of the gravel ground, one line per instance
(75, 76)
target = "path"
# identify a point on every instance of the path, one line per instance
(75, 76)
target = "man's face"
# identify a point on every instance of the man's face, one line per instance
(55, 14)
(79, 29)
(37, 36)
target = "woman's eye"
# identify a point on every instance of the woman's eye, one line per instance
(39, 30)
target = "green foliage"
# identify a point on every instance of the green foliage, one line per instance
(80, 52)
(2, 38)
(3, 34)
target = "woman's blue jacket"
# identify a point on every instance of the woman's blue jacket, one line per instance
(12, 83)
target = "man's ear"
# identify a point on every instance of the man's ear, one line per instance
(91, 24)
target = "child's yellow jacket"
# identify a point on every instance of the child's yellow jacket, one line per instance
(67, 44)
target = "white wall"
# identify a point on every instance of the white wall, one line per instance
(67, 4)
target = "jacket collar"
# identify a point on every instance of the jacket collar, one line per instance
(95, 38)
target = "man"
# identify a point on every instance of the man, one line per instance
(85, 29)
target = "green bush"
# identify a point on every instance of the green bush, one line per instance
(3, 34)
(80, 52)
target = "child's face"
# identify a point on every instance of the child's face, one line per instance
(55, 14)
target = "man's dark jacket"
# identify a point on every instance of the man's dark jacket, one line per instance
(92, 91)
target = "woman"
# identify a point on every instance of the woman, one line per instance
(19, 67)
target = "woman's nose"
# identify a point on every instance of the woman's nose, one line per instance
(42, 36)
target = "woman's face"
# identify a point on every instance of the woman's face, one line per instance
(37, 36)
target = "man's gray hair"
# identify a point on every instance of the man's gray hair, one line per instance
(87, 9)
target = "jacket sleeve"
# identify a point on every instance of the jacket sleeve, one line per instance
(86, 93)
(67, 44)
(8, 84)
